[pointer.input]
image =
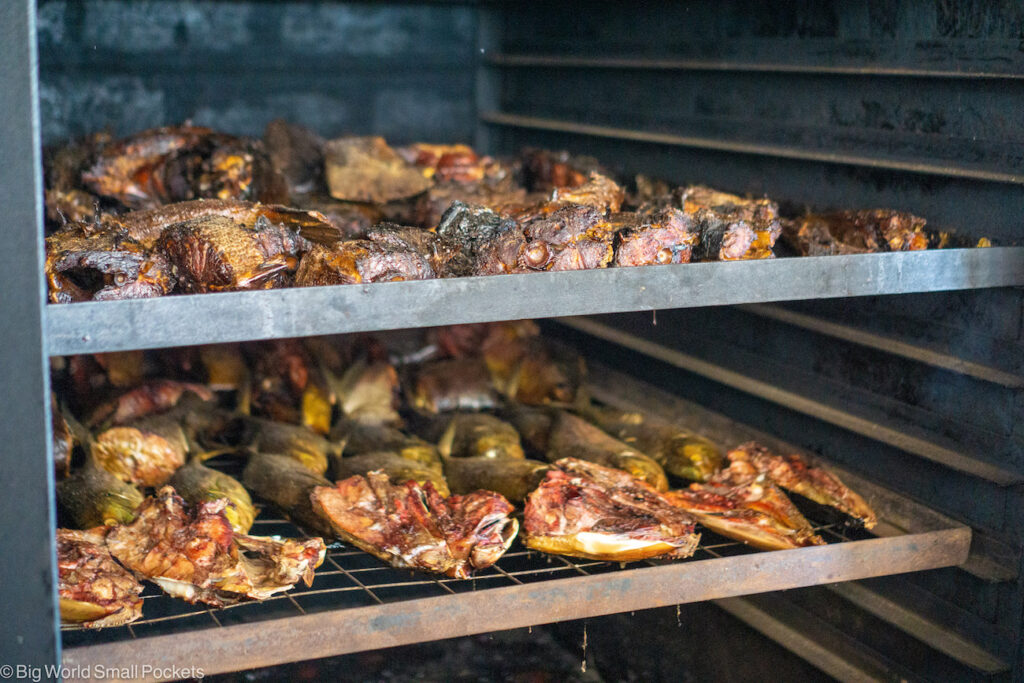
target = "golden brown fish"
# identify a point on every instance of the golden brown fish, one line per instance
(145, 452)
(197, 483)
(193, 554)
(480, 435)
(93, 497)
(678, 450)
(585, 510)
(414, 526)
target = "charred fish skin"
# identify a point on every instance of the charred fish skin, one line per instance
(93, 589)
(287, 484)
(196, 483)
(93, 497)
(572, 237)
(574, 437)
(680, 452)
(586, 510)
(513, 478)
(398, 469)
(731, 227)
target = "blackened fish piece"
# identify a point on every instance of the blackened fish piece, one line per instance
(165, 165)
(856, 232)
(544, 170)
(438, 250)
(488, 243)
(146, 226)
(573, 237)
(298, 153)
(361, 261)
(102, 262)
(430, 207)
(731, 227)
(656, 237)
(215, 253)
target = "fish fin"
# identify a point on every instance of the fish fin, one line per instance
(263, 271)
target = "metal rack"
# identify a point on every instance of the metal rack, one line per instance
(357, 603)
(916, 538)
(93, 327)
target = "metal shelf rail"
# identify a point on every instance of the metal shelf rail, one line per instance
(93, 327)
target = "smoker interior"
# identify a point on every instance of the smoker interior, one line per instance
(907, 105)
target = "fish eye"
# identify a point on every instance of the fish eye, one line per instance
(536, 254)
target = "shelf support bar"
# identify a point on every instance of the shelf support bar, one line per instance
(29, 635)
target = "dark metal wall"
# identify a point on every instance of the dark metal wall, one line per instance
(404, 71)
(911, 105)
(889, 88)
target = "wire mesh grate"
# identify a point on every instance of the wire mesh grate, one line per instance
(351, 578)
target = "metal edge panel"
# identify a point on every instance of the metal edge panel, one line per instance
(934, 635)
(920, 353)
(500, 118)
(94, 327)
(816, 642)
(29, 633)
(649, 63)
(920, 444)
(248, 646)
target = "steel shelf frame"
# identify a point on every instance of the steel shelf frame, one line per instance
(93, 327)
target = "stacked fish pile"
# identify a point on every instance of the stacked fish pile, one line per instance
(414, 446)
(189, 209)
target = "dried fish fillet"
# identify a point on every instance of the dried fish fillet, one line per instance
(194, 554)
(794, 473)
(414, 526)
(94, 590)
(586, 510)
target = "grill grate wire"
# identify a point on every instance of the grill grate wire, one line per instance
(352, 578)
